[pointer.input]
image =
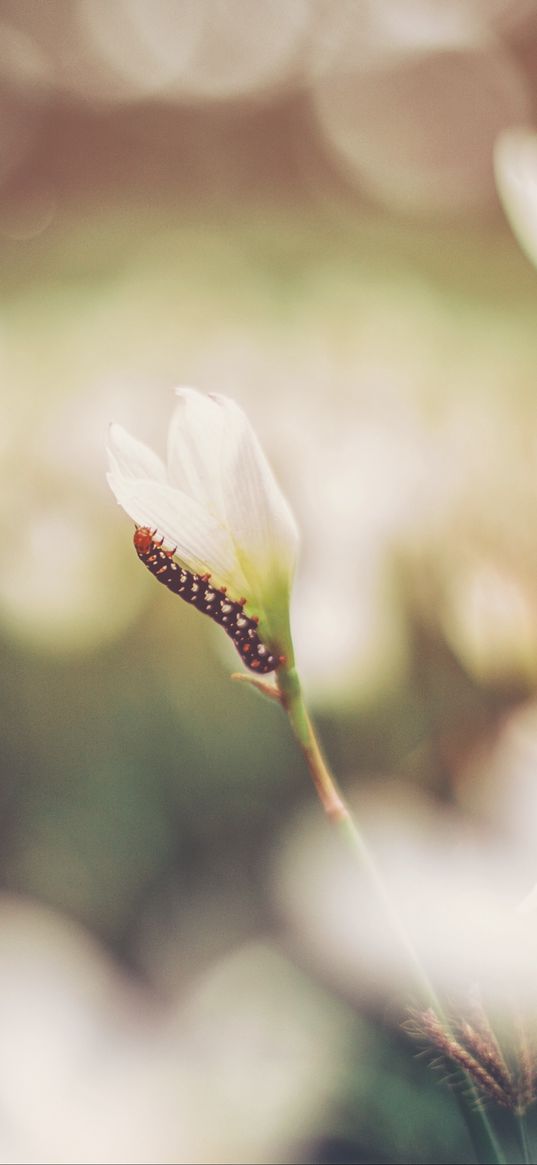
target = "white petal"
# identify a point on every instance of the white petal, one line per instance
(202, 542)
(196, 439)
(132, 458)
(515, 160)
(257, 514)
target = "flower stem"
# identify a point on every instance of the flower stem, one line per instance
(524, 1142)
(487, 1149)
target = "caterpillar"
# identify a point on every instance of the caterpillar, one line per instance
(213, 601)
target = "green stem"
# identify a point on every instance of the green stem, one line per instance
(487, 1149)
(524, 1142)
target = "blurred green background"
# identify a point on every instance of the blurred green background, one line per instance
(292, 202)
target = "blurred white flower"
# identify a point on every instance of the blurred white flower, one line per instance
(456, 887)
(240, 1066)
(216, 502)
(515, 163)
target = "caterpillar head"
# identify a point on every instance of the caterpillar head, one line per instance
(143, 539)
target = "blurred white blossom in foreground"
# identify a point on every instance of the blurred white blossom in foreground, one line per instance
(93, 1068)
(457, 880)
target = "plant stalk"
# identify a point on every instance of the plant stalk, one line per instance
(486, 1146)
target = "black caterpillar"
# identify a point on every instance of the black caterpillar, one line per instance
(198, 590)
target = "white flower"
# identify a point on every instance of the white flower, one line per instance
(515, 162)
(217, 502)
